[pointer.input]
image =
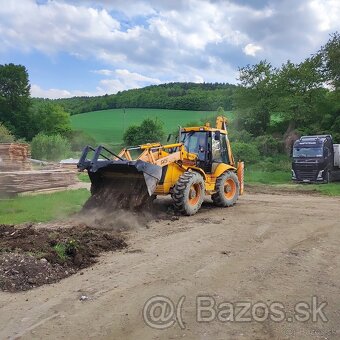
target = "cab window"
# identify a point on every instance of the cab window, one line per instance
(219, 148)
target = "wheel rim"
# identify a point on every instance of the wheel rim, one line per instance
(229, 188)
(194, 194)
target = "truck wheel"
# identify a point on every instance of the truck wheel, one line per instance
(188, 193)
(227, 190)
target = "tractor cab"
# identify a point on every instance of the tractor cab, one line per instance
(210, 146)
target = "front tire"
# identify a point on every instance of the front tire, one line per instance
(227, 190)
(188, 193)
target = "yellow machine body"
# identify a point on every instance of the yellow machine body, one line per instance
(200, 164)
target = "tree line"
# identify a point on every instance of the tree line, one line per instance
(176, 96)
(303, 98)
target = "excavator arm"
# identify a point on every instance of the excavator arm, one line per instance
(221, 123)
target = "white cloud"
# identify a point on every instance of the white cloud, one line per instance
(143, 42)
(54, 27)
(327, 13)
(104, 72)
(37, 91)
(123, 80)
(252, 49)
(136, 77)
(198, 79)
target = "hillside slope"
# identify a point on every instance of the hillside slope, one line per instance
(176, 96)
(108, 126)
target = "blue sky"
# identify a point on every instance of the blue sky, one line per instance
(87, 47)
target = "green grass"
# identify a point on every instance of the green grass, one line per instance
(108, 126)
(84, 177)
(332, 189)
(60, 249)
(43, 207)
(277, 178)
(264, 177)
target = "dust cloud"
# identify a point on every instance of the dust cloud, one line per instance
(117, 220)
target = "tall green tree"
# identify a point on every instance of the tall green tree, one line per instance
(330, 55)
(299, 90)
(49, 118)
(255, 98)
(15, 98)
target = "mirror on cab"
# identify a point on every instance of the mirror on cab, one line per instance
(217, 135)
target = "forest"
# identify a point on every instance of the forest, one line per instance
(175, 96)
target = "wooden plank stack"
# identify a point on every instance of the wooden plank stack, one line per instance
(14, 157)
(15, 182)
(17, 176)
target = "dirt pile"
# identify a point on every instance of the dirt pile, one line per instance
(31, 257)
(126, 193)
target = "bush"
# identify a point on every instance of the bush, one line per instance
(268, 145)
(5, 135)
(79, 139)
(240, 136)
(246, 152)
(273, 164)
(150, 131)
(50, 148)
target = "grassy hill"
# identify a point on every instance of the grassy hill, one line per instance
(108, 126)
(171, 96)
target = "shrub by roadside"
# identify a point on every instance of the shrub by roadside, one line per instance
(50, 148)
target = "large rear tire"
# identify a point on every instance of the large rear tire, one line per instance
(188, 193)
(227, 190)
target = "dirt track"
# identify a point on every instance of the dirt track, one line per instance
(267, 248)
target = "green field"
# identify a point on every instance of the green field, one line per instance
(108, 126)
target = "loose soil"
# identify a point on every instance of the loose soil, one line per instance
(31, 257)
(269, 247)
(119, 193)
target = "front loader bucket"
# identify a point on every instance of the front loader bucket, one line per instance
(120, 183)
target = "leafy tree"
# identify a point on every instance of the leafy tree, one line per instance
(255, 97)
(50, 118)
(15, 98)
(5, 135)
(294, 92)
(239, 135)
(149, 131)
(246, 152)
(268, 145)
(299, 88)
(330, 55)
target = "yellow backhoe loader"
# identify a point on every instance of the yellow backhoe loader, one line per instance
(200, 164)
